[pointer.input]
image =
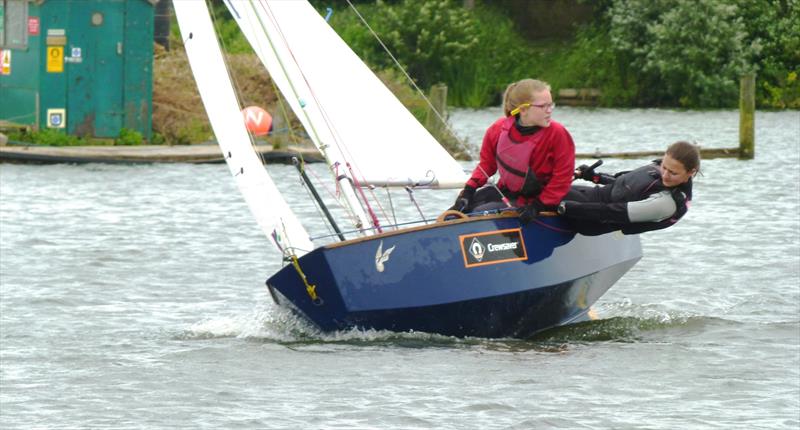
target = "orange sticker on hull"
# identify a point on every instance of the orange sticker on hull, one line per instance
(493, 247)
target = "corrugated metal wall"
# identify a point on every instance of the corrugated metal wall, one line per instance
(87, 68)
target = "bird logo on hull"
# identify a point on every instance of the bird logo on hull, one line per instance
(382, 257)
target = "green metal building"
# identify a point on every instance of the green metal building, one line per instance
(85, 66)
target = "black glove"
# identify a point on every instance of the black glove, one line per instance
(586, 173)
(464, 199)
(530, 212)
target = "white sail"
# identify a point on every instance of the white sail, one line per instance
(346, 109)
(208, 67)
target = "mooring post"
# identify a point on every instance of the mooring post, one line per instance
(747, 113)
(438, 98)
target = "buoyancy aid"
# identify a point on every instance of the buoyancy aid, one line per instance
(513, 162)
(637, 185)
(634, 185)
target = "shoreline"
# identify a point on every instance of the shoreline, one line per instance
(195, 154)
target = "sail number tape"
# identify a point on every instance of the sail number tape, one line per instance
(493, 247)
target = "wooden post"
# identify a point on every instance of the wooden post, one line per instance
(747, 111)
(438, 98)
(280, 137)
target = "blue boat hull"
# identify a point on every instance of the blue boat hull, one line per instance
(485, 277)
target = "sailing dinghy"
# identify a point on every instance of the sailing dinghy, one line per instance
(485, 276)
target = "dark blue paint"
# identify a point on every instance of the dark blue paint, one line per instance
(425, 285)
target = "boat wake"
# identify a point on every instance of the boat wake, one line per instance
(623, 322)
(620, 322)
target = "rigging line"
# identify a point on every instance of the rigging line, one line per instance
(331, 194)
(316, 206)
(338, 142)
(270, 14)
(316, 198)
(284, 113)
(462, 144)
(320, 181)
(410, 192)
(371, 189)
(391, 205)
(290, 128)
(334, 133)
(396, 226)
(237, 88)
(375, 221)
(290, 249)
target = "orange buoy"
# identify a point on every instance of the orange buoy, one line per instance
(257, 120)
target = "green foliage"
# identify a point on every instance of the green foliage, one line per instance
(774, 26)
(128, 137)
(56, 137)
(690, 53)
(192, 130)
(500, 57)
(588, 62)
(51, 137)
(684, 52)
(439, 41)
(231, 38)
(430, 38)
(158, 139)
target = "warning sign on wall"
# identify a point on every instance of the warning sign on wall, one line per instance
(55, 59)
(56, 118)
(5, 61)
(33, 25)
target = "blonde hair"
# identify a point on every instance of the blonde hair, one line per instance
(521, 92)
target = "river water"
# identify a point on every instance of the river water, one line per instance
(132, 296)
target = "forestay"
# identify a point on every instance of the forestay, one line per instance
(348, 112)
(213, 82)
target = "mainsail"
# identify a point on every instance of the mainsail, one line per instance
(349, 113)
(213, 82)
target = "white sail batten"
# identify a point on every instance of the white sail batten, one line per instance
(270, 210)
(356, 119)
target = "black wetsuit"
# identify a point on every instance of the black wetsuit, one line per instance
(633, 202)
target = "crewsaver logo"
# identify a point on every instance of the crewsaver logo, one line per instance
(492, 247)
(476, 249)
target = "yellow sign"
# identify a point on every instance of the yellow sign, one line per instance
(55, 59)
(5, 61)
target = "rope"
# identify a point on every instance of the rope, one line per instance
(310, 288)
(236, 87)
(372, 215)
(312, 130)
(311, 197)
(410, 80)
(447, 126)
(391, 205)
(410, 192)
